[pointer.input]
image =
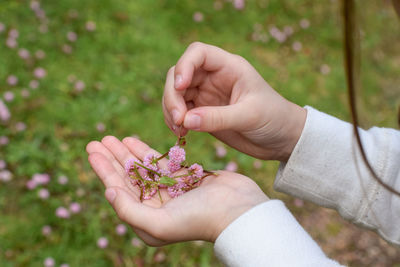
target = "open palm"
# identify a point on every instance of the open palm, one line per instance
(200, 214)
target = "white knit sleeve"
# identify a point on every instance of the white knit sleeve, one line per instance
(269, 235)
(326, 168)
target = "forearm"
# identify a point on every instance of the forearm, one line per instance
(326, 168)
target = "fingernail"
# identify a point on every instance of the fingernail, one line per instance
(178, 81)
(110, 195)
(175, 116)
(192, 121)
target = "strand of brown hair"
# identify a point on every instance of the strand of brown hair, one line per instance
(351, 41)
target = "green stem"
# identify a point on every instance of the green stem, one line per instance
(150, 170)
(159, 195)
(163, 156)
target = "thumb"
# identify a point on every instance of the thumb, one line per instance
(217, 118)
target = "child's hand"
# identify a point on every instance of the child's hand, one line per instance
(200, 214)
(214, 91)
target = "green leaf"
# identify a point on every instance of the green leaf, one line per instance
(168, 181)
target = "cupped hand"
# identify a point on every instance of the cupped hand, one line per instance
(200, 214)
(214, 91)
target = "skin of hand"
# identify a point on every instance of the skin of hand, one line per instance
(200, 214)
(214, 91)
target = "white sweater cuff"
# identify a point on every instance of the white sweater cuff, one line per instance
(268, 235)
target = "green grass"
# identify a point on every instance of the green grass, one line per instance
(123, 64)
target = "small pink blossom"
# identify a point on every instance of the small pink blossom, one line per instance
(102, 242)
(12, 80)
(198, 16)
(31, 184)
(197, 170)
(120, 229)
(43, 193)
(66, 48)
(62, 180)
(150, 161)
(23, 53)
(75, 207)
(13, 33)
(177, 154)
(100, 127)
(2, 27)
(11, 43)
(5, 175)
(3, 164)
(5, 114)
(62, 212)
(8, 96)
(39, 73)
(238, 4)
(40, 54)
(288, 30)
(159, 257)
(136, 242)
(20, 126)
(220, 151)
(90, 26)
(325, 69)
(257, 164)
(231, 166)
(41, 178)
(72, 36)
(304, 23)
(173, 166)
(49, 262)
(25, 93)
(46, 230)
(79, 86)
(34, 84)
(175, 190)
(3, 139)
(297, 46)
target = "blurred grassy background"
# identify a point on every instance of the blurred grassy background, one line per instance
(109, 81)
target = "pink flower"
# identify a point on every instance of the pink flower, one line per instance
(40, 54)
(198, 16)
(72, 36)
(5, 175)
(304, 23)
(100, 127)
(44, 193)
(175, 190)
(25, 93)
(8, 96)
(3, 164)
(34, 84)
(297, 46)
(66, 48)
(75, 207)
(23, 53)
(325, 69)
(13, 33)
(62, 212)
(11, 43)
(136, 242)
(197, 170)
(20, 126)
(150, 161)
(148, 192)
(46, 230)
(5, 114)
(231, 166)
(49, 262)
(90, 26)
(220, 151)
(173, 166)
(3, 139)
(160, 257)
(121, 229)
(102, 242)
(31, 184)
(39, 73)
(2, 27)
(79, 86)
(62, 180)
(12, 80)
(177, 154)
(238, 4)
(41, 178)
(257, 164)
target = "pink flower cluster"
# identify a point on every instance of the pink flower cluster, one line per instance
(150, 177)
